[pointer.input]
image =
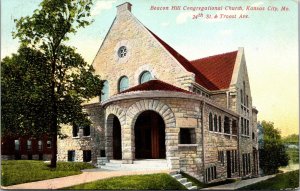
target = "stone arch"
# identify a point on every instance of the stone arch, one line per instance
(171, 132)
(150, 104)
(112, 111)
(117, 111)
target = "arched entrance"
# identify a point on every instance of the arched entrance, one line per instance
(149, 130)
(115, 130)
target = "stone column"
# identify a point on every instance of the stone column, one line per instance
(109, 138)
(128, 148)
(172, 154)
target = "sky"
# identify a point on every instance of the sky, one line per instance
(269, 38)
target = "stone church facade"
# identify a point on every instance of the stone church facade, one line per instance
(155, 104)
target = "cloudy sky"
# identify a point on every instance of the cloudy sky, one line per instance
(269, 38)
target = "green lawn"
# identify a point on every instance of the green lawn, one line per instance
(21, 171)
(279, 182)
(159, 181)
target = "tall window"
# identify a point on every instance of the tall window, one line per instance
(234, 127)
(123, 83)
(226, 125)
(220, 124)
(210, 121)
(40, 145)
(105, 91)
(145, 77)
(215, 123)
(29, 145)
(17, 145)
(242, 96)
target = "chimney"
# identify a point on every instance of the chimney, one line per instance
(124, 7)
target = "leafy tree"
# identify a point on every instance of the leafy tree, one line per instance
(70, 80)
(273, 153)
(293, 138)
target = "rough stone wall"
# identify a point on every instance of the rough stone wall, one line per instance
(144, 53)
(217, 141)
(220, 99)
(246, 143)
(95, 142)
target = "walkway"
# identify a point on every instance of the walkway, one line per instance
(87, 176)
(239, 184)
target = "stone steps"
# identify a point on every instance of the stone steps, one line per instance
(148, 164)
(182, 181)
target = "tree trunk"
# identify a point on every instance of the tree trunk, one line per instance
(54, 115)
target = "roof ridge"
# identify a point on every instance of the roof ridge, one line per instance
(222, 54)
(205, 82)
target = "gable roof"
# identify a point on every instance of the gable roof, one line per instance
(218, 68)
(199, 77)
(155, 85)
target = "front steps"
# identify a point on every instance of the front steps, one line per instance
(146, 164)
(183, 181)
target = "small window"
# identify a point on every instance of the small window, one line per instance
(145, 77)
(210, 121)
(242, 125)
(105, 91)
(49, 144)
(123, 84)
(247, 101)
(253, 135)
(86, 130)
(210, 173)
(215, 123)
(29, 145)
(87, 156)
(187, 136)
(17, 145)
(40, 145)
(226, 125)
(75, 130)
(220, 124)
(71, 156)
(122, 52)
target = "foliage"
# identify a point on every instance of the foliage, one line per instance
(273, 152)
(279, 182)
(135, 182)
(293, 155)
(17, 172)
(293, 138)
(69, 80)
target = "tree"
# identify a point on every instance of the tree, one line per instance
(71, 79)
(273, 153)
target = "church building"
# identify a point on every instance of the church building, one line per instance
(194, 116)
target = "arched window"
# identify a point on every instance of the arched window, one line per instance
(220, 124)
(210, 121)
(145, 77)
(215, 123)
(105, 91)
(123, 83)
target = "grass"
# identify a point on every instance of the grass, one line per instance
(203, 185)
(159, 181)
(21, 171)
(279, 182)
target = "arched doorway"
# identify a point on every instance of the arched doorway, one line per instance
(149, 131)
(116, 137)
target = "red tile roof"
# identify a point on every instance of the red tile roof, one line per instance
(155, 85)
(213, 73)
(218, 69)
